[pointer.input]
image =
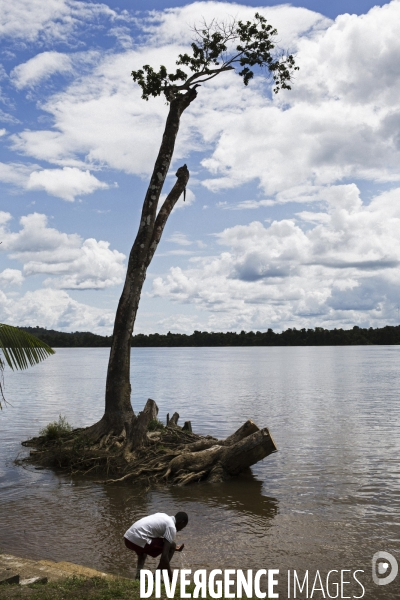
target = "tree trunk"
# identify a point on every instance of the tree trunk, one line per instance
(247, 452)
(217, 460)
(118, 407)
(245, 430)
(136, 427)
(173, 421)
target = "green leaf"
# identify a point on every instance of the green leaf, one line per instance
(21, 349)
(215, 46)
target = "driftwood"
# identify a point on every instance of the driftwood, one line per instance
(169, 455)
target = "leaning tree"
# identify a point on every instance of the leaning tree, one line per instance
(217, 48)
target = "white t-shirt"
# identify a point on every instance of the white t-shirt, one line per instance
(158, 525)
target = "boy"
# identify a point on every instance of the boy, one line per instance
(155, 535)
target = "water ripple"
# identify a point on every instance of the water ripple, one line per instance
(330, 498)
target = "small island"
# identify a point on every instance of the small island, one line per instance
(148, 452)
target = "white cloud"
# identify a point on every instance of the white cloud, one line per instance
(344, 267)
(7, 118)
(179, 238)
(65, 183)
(15, 173)
(340, 64)
(102, 118)
(175, 25)
(33, 20)
(70, 262)
(11, 277)
(341, 121)
(4, 217)
(342, 111)
(178, 323)
(189, 199)
(54, 309)
(40, 67)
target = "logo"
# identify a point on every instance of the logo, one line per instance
(384, 564)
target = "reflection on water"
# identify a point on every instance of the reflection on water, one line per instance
(329, 499)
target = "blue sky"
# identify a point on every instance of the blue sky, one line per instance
(293, 208)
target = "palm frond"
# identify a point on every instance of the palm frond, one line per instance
(2, 384)
(21, 349)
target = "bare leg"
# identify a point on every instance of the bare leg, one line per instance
(172, 551)
(170, 555)
(140, 564)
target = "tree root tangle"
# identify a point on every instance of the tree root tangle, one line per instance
(169, 455)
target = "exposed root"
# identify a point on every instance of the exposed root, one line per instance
(173, 455)
(184, 480)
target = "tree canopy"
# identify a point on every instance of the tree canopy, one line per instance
(220, 47)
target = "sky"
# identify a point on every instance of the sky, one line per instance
(292, 215)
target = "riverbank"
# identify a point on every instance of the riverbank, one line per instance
(62, 581)
(74, 588)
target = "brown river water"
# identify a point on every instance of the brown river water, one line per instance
(328, 500)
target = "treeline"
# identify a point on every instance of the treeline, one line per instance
(291, 337)
(78, 339)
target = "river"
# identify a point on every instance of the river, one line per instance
(329, 499)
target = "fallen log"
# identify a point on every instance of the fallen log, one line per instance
(245, 430)
(238, 457)
(233, 457)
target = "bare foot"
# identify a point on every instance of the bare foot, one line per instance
(180, 548)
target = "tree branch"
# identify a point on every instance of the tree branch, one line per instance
(166, 209)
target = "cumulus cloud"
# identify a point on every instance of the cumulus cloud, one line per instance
(65, 183)
(53, 20)
(68, 260)
(40, 67)
(174, 25)
(101, 117)
(54, 309)
(15, 173)
(11, 277)
(341, 266)
(342, 110)
(334, 261)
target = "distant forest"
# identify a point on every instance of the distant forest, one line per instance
(291, 337)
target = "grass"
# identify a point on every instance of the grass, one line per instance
(155, 425)
(80, 588)
(74, 588)
(57, 429)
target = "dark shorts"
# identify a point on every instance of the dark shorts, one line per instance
(153, 549)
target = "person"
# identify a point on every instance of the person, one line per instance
(155, 535)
